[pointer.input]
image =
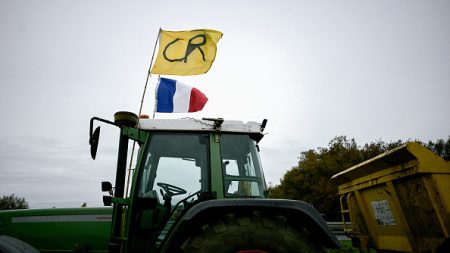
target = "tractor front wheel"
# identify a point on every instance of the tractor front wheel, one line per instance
(250, 234)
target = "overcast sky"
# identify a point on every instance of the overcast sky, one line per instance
(370, 70)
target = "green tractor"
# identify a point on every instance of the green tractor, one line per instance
(198, 186)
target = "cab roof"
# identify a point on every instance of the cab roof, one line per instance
(209, 125)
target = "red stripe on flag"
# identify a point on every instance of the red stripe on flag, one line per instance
(197, 100)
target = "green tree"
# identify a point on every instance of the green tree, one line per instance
(12, 202)
(440, 147)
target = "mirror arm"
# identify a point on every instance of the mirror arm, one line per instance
(94, 135)
(91, 125)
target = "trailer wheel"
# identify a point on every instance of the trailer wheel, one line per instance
(12, 245)
(250, 234)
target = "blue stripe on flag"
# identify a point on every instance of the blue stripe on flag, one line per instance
(165, 93)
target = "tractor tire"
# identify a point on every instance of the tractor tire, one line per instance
(250, 234)
(12, 245)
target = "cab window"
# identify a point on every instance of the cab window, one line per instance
(241, 166)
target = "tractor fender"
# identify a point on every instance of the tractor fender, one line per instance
(12, 245)
(297, 212)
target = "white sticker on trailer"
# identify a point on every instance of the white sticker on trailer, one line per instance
(382, 212)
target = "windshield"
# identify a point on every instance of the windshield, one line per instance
(178, 159)
(241, 166)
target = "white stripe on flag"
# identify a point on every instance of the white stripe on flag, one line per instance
(182, 97)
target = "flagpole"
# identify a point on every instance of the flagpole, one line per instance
(149, 69)
(140, 110)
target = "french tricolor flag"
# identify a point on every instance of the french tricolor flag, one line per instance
(175, 96)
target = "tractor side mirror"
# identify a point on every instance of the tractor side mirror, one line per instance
(93, 141)
(107, 200)
(106, 187)
(121, 119)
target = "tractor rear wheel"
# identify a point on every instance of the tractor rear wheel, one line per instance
(250, 234)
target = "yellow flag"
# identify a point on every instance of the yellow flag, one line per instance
(186, 53)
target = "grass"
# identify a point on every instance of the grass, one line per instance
(347, 248)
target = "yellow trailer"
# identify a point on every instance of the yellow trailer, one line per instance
(398, 201)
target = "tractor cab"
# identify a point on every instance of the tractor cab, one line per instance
(188, 160)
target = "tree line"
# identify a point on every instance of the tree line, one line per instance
(12, 201)
(310, 181)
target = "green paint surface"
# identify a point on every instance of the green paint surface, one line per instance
(59, 230)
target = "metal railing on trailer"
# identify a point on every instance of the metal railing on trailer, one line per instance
(337, 227)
